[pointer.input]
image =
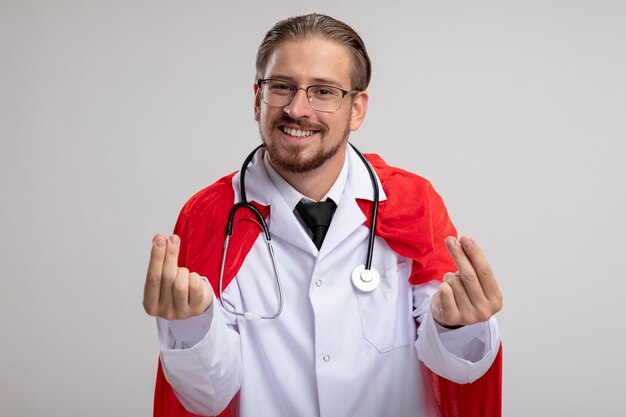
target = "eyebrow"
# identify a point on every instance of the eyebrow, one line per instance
(315, 81)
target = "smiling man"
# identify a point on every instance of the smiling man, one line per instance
(301, 140)
(336, 320)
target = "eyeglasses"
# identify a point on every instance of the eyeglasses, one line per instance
(323, 98)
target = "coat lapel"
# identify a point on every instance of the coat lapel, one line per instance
(281, 221)
(349, 215)
(283, 224)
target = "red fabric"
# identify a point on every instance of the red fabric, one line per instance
(413, 221)
(481, 398)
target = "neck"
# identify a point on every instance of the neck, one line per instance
(316, 183)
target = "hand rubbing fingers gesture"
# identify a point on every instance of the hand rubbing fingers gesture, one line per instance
(471, 295)
(171, 292)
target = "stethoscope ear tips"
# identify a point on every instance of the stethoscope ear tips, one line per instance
(365, 280)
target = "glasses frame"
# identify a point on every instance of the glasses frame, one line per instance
(306, 91)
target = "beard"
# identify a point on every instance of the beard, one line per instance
(290, 157)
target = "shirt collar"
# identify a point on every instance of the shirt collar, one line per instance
(292, 196)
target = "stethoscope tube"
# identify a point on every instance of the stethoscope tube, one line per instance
(364, 277)
(372, 236)
(268, 241)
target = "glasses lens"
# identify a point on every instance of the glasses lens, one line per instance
(277, 93)
(325, 98)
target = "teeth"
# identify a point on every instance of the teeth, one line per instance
(297, 132)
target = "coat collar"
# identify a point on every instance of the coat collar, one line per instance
(259, 184)
(359, 179)
(283, 223)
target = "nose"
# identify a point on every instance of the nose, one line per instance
(299, 106)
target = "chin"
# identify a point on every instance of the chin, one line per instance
(292, 159)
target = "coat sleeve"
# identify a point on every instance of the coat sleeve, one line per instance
(207, 375)
(201, 225)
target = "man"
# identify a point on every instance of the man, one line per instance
(332, 348)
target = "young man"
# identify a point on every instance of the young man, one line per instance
(332, 341)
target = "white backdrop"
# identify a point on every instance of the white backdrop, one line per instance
(112, 113)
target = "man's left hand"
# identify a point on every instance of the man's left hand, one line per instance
(471, 295)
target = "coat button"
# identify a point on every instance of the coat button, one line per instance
(326, 358)
(318, 282)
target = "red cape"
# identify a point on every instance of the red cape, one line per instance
(413, 221)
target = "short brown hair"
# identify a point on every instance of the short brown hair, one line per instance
(325, 27)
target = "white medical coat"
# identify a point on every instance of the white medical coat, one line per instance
(333, 351)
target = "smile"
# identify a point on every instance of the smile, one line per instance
(297, 132)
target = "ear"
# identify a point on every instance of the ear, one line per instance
(257, 103)
(359, 110)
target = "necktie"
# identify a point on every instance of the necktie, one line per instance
(317, 217)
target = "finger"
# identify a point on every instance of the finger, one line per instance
(461, 297)
(449, 312)
(483, 270)
(152, 288)
(170, 270)
(466, 271)
(200, 295)
(435, 307)
(180, 293)
(196, 292)
(170, 264)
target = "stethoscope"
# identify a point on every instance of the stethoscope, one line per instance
(364, 277)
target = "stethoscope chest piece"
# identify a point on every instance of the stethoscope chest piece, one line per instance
(365, 280)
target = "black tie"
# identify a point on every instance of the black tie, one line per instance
(317, 217)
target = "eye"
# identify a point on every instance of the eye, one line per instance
(324, 92)
(280, 88)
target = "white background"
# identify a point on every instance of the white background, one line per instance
(112, 113)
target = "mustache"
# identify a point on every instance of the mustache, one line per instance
(303, 124)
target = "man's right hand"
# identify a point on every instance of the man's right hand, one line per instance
(171, 292)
